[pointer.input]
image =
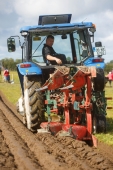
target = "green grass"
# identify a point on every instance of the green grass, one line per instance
(13, 92)
(108, 137)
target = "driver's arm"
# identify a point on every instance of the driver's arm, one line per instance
(47, 54)
(51, 58)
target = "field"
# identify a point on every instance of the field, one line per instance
(13, 92)
(108, 137)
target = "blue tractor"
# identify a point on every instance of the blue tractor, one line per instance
(61, 89)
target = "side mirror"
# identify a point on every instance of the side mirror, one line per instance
(92, 38)
(93, 29)
(11, 44)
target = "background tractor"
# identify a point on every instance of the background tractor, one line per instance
(69, 98)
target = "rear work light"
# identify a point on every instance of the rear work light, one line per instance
(98, 60)
(25, 65)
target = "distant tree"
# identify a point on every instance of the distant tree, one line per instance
(68, 59)
(111, 61)
(34, 60)
(108, 67)
(10, 63)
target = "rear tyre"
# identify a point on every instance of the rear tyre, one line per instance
(99, 80)
(33, 102)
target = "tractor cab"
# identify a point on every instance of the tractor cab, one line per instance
(71, 39)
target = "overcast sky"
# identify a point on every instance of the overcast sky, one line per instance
(15, 14)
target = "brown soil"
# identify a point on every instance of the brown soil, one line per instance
(20, 149)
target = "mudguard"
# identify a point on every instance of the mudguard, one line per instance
(29, 68)
(89, 62)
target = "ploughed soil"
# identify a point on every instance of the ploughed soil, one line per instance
(20, 149)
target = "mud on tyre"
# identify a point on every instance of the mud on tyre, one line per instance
(33, 102)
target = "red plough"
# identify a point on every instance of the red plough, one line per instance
(69, 95)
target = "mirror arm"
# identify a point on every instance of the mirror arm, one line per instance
(22, 47)
(93, 36)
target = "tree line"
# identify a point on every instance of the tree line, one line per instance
(108, 67)
(10, 64)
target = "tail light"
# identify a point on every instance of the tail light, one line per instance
(98, 60)
(25, 65)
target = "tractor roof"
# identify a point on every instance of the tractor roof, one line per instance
(57, 22)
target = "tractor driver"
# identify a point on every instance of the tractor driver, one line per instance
(49, 54)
